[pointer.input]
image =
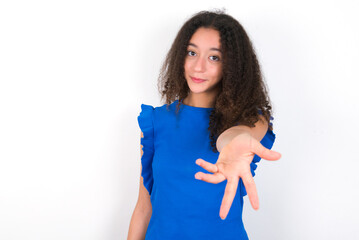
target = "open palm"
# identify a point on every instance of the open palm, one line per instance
(234, 163)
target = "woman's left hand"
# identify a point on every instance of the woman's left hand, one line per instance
(234, 163)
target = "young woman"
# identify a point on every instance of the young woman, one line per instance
(200, 149)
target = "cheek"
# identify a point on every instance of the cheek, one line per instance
(220, 73)
(217, 72)
(186, 68)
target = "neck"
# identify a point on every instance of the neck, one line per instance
(204, 100)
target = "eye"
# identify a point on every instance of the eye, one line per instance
(191, 53)
(214, 58)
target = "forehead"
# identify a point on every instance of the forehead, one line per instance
(206, 38)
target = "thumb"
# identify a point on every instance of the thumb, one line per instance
(264, 152)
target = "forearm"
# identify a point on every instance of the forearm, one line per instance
(257, 132)
(138, 225)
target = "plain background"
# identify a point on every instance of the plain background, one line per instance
(74, 74)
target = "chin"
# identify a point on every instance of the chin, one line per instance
(197, 89)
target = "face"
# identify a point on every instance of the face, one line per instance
(203, 63)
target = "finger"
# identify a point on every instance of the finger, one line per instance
(264, 152)
(229, 194)
(251, 189)
(211, 178)
(207, 165)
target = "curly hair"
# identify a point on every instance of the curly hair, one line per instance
(242, 92)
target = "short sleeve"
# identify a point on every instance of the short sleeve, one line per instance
(145, 121)
(267, 141)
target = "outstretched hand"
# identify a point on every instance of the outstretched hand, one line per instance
(234, 163)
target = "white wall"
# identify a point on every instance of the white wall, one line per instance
(74, 73)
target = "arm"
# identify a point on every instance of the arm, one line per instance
(237, 147)
(142, 213)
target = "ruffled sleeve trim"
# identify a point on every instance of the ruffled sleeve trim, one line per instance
(267, 141)
(145, 121)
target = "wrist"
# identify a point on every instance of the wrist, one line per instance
(227, 136)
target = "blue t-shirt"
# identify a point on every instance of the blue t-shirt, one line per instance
(182, 206)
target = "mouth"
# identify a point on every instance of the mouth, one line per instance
(197, 80)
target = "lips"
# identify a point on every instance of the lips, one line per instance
(197, 80)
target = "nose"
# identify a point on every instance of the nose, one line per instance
(200, 64)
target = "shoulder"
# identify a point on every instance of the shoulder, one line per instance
(153, 112)
(155, 108)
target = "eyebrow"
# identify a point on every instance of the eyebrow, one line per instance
(214, 49)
